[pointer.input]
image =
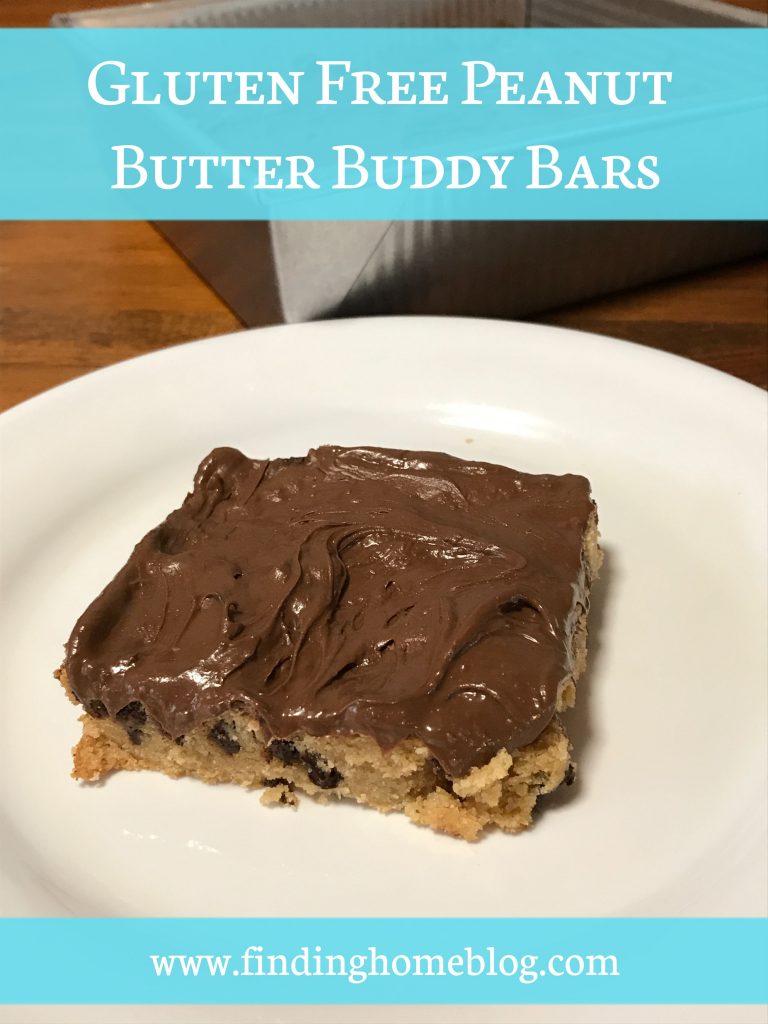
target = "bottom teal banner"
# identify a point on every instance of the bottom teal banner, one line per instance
(383, 960)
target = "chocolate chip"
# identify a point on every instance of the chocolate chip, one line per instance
(278, 782)
(96, 709)
(222, 735)
(318, 772)
(441, 779)
(132, 716)
(325, 778)
(285, 751)
(570, 775)
(179, 741)
(132, 713)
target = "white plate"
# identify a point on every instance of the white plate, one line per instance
(670, 731)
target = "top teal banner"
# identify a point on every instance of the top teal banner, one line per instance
(384, 124)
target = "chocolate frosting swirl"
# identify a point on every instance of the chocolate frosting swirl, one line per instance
(357, 591)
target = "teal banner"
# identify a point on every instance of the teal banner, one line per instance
(384, 961)
(316, 124)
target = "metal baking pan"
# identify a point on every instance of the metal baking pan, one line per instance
(503, 269)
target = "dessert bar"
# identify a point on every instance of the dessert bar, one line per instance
(399, 628)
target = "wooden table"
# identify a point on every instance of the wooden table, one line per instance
(77, 296)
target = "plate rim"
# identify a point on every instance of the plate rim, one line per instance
(526, 333)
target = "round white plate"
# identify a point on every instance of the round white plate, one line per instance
(670, 730)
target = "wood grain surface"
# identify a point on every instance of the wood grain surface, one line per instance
(78, 296)
(31, 13)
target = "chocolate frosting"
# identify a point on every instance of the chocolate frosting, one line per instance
(354, 591)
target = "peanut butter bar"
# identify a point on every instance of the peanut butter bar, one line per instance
(397, 628)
